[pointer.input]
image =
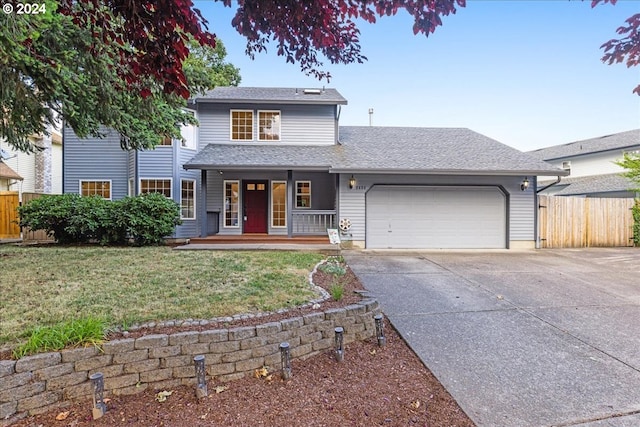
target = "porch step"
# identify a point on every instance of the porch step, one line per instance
(260, 238)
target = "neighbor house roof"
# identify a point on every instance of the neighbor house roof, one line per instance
(383, 150)
(272, 95)
(593, 184)
(615, 141)
(7, 173)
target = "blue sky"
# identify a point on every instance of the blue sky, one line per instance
(527, 73)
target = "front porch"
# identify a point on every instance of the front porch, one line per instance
(260, 238)
(251, 206)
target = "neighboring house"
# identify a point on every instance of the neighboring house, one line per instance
(592, 166)
(274, 161)
(38, 172)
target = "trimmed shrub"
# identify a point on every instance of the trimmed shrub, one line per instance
(148, 218)
(70, 218)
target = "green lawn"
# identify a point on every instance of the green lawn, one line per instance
(42, 286)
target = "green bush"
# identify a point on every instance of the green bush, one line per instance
(146, 219)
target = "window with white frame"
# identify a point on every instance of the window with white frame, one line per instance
(303, 194)
(188, 133)
(242, 125)
(278, 204)
(96, 188)
(269, 125)
(188, 199)
(162, 186)
(231, 204)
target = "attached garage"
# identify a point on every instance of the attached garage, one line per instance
(433, 217)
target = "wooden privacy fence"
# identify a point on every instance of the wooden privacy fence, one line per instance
(9, 215)
(578, 222)
(27, 234)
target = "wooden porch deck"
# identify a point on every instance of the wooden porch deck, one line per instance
(259, 238)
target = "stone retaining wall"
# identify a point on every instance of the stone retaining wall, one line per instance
(39, 383)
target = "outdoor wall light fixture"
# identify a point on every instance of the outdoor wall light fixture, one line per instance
(352, 182)
(525, 184)
(201, 386)
(285, 360)
(380, 330)
(99, 407)
(339, 339)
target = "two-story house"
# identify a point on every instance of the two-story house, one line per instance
(276, 162)
(592, 166)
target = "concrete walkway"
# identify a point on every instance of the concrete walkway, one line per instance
(531, 338)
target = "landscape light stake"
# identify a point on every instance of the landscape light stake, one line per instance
(99, 408)
(380, 330)
(285, 358)
(339, 341)
(201, 387)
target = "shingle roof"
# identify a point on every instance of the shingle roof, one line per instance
(7, 173)
(616, 141)
(272, 95)
(446, 150)
(595, 184)
(236, 156)
(382, 149)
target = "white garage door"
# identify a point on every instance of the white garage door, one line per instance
(415, 217)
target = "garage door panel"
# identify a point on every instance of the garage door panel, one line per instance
(436, 217)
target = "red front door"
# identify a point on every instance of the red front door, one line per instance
(255, 206)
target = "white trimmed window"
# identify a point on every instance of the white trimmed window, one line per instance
(162, 186)
(269, 125)
(303, 194)
(278, 204)
(242, 125)
(231, 204)
(188, 199)
(96, 188)
(188, 133)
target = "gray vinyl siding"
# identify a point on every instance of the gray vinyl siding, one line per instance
(299, 124)
(520, 205)
(156, 163)
(189, 227)
(323, 194)
(95, 159)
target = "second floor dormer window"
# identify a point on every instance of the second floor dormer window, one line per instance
(242, 125)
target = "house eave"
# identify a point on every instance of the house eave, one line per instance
(227, 167)
(587, 153)
(451, 172)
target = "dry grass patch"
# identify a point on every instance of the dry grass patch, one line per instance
(43, 286)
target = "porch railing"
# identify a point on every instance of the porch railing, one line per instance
(313, 222)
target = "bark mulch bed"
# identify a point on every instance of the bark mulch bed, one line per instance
(374, 385)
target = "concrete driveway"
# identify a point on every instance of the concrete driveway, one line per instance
(529, 338)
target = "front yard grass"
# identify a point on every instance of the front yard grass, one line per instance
(44, 286)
